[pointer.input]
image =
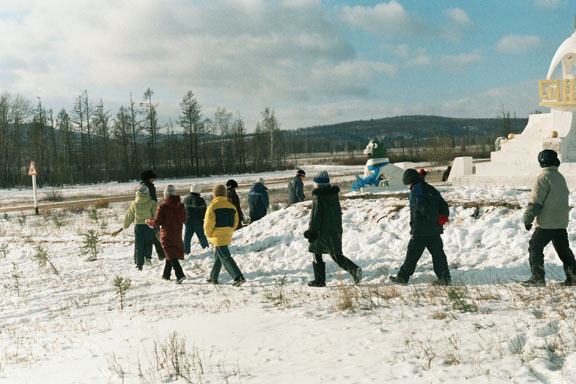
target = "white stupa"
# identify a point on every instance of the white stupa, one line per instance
(515, 164)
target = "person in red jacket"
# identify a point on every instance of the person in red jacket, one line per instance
(170, 217)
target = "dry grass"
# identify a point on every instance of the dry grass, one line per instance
(102, 203)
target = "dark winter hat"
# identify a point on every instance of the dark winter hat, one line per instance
(232, 183)
(411, 177)
(147, 175)
(219, 190)
(321, 179)
(548, 158)
(301, 172)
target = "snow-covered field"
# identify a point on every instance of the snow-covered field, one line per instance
(68, 327)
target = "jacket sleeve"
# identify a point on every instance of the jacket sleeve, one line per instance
(300, 190)
(160, 215)
(129, 217)
(540, 191)
(315, 216)
(209, 221)
(202, 207)
(443, 208)
(236, 218)
(182, 213)
(265, 198)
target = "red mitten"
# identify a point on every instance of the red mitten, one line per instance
(443, 219)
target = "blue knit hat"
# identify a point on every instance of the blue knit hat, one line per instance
(321, 179)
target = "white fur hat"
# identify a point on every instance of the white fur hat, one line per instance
(196, 188)
(260, 180)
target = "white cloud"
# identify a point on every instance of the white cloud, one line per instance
(458, 16)
(513, 44)
(384, 18)
(459, 60)
(548, 4)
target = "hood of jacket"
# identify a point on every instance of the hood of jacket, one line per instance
(142, 198)
(172, 201)
(258, 187)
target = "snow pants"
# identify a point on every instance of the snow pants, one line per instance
(172, 264)
(223, 257)
(143, 236)
(343, 262)
(539, 240)
(416, 247)
(189, 232)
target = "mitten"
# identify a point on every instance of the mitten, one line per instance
(311, 235)
(443, 219)
(528, 226)
(115, 233)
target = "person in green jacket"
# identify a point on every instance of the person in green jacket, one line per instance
(142, 209)
(325, 231)
(549, 206)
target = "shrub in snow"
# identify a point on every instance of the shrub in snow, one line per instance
(122, 286)
(91, 246)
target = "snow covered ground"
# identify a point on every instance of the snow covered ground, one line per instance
(69, 327)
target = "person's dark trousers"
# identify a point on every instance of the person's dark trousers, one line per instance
(143, 236)
(342, 261)
(540, 239)
(415, 249)
(319, 268)
(172, 264)
(157, 246)
(189, 232)
(223, 257)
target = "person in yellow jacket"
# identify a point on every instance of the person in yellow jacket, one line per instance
(220, 221)
(140, 210)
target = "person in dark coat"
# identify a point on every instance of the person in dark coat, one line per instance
(231, 186)
(147, 178)
(258, 200)
(296, 188)
(446, 173)
(428, 213)
(170, 217)
(195, 211)
(325, 231)
(549, 207)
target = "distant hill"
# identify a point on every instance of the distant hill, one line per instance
(407, 127)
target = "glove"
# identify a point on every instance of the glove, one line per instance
(311, 235)
(443, 219)
(528, 226)
(115, 233)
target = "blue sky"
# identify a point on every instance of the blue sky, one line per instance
(314, 62)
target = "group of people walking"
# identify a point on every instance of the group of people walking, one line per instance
(429, 212)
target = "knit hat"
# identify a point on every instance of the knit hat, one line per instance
(169, 190)
(147, 175)
(142, 189)
(232, 183)
(301, 172)
(196, 188)
(423, 172)
(321, 179)
(548, 158)
(411, 177)
(260, 180)
(219, 190)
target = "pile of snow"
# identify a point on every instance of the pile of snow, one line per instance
(69, 327)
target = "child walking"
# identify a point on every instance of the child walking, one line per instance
(219, 225)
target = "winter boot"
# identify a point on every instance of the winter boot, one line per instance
(210, 281)
(532, 282)
(239, 281)
(398, 280)
(319, 275)
(180, 280)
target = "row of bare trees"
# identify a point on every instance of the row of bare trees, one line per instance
(88, 144)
